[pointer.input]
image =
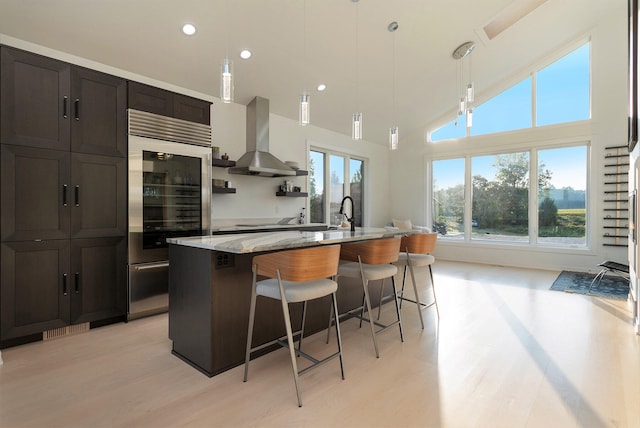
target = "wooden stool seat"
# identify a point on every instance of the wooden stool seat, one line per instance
(295, 276)
(371, 260)
(415, 252)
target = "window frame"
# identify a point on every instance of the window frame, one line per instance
(533, 226)
(346, 188)
(531, 72)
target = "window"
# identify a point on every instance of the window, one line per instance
(561, 94)
(501, 196)
(448, 197)
(506, 112)
(328, 187)
(562, 206)
(562, 89)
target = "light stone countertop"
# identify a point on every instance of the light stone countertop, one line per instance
(269, 241)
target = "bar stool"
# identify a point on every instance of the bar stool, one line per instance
(369, 261)
(295, 276)
(415, 252)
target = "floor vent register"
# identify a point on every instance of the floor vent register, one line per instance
(65, 331)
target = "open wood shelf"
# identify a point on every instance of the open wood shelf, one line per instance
(221, 163)
(223, 190)
(293, 194)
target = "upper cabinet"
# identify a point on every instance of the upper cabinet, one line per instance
(50, 104)
(166, 103)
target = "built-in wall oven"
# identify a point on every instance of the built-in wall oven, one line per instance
(169, 196)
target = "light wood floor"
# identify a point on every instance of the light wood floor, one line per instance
(506, 352)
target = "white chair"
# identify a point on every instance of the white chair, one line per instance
(370, 261)
(415, 252)
(295, 276)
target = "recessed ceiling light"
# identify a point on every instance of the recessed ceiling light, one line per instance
(189, 29)
(321, 87)
(245, 54)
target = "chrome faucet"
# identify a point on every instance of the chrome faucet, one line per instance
(353, 210)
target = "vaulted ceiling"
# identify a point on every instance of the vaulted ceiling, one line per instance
(144, 37)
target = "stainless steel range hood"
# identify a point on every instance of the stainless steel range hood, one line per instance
(257, 160)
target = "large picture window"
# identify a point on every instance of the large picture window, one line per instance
(332, 176)
(500, 202)
(560, 92)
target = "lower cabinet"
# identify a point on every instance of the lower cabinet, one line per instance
(51, 284)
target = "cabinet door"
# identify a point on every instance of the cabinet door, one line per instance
(35, 193)
(35, 287)
(191, 109)
(98, 113)
(35, 103)
(98, 285)
(98, 196)
(151, 99)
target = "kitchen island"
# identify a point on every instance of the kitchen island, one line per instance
(210, 287)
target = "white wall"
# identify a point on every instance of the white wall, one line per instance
(608, 127)
(255, 197)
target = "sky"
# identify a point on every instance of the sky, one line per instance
(573, 174)
(562, 92)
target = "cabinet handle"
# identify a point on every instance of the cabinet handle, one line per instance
(77, 195)
(64, 195)
(77, 282)
(64, 106)
(77, 109)
(64, 284)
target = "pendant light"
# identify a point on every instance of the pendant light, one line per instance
(304, 109)
(226, 76)
(393, 131)
(356, 124)
(467, 97)
(226, 81)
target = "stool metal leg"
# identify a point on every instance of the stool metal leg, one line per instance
(365, 285)
(395, 298)
(334, 299)
(252, 315)
(292, 350)
(415, 289)
(433, 289)
(304, 317)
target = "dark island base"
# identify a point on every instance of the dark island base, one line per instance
(209, 296)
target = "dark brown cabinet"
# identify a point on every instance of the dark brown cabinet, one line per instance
(35, 287)
(50, 194)
(34, 194)
(50, 104)
(51, 284)
(98, 196)
(98, 279)
(166, 103)
(63, 196)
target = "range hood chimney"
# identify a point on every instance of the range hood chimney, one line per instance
(257, 160)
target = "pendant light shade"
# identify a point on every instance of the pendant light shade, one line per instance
(356, 128)
(356, 124)
(393, 138)
(226, 81)
(466, 92)
(393, 131)
(304, 111)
